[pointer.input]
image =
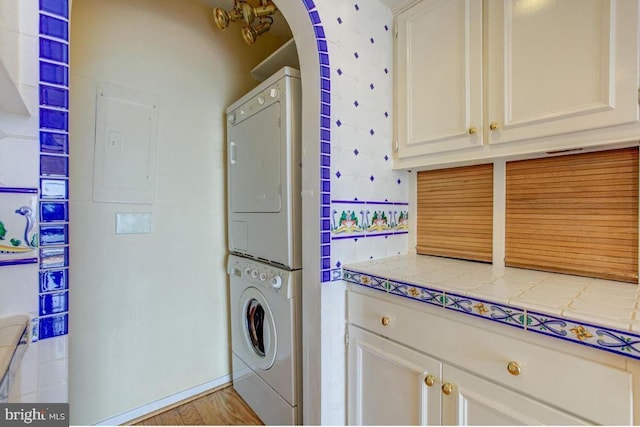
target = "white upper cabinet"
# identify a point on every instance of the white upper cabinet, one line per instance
(558, 67)
(439, 77)
(477, 79)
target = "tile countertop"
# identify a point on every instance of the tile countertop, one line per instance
(598, 313)
(13, 331)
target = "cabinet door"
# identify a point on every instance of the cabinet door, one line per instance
(438, 77)
(387, 384)
(556, 67)
(475, 401)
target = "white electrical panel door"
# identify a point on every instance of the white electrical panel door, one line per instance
(254, 162)
(125, 145)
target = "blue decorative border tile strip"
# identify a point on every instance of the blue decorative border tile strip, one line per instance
(54, 169)
(326, 274)
(623, 343)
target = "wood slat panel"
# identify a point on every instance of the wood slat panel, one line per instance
(455, 213)
(575, 214)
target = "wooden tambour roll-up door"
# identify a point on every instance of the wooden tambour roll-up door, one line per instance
(575, 214)
(455, 212)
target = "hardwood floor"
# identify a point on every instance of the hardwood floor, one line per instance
(221, 407)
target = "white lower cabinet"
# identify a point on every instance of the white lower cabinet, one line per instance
(387, 383)
(414, 364)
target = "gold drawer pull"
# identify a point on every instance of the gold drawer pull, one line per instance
(473, 130)
(447, 388)
(493, 125)
(385, 320)
(430, 380)
(514, 368)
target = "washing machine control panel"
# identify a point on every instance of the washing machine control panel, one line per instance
(261, 275)
(258, 102)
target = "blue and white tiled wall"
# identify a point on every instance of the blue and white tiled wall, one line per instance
(54, 169)
(366, 214)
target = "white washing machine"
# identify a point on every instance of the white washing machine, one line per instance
(265, 336)
(264, 167)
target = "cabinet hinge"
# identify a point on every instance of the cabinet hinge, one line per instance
(346, 339)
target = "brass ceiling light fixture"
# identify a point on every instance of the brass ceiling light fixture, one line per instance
(244, 11)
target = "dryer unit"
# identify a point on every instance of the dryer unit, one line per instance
(264, 169)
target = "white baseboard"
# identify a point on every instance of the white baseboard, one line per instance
(164, 402)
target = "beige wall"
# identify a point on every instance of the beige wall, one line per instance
(150, 311)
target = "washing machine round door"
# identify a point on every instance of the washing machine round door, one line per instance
(259, 331)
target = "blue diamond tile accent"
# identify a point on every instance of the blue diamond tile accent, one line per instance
(338, 174)
(356, 103)
(338, 123)
(371, 178)
(356, 6)
(339, 71)
(356, 152)
(356, 55)
(386, 71)
(399, 181)
(339, 20)
(386, 114)
(371, 132)
(386, 158)
(372, 40)
(371, 86)
(386, 28)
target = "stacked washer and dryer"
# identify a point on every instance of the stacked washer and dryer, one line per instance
(264, 224)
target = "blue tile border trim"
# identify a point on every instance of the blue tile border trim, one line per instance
(326, 273)
(615, 341)
(54, 169)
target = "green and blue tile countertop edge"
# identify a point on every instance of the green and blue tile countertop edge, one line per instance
(597, 313)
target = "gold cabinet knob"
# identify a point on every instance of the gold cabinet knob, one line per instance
(430, 380)
(514, 368)
(447, 388)
(473, 130)
(493, 125)
(385, 320)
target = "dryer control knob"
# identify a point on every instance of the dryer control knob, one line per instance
(247, 271)
(232, 118)
(254, 274)
(261, 100)
(273, 92)
(263, 277)
(276, 282)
